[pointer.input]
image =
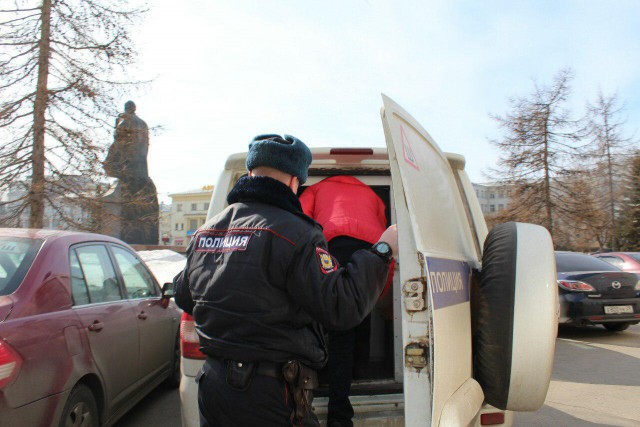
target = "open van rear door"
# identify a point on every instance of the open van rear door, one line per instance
(437, 254)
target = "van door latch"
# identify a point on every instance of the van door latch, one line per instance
(414, 295)
(415, 356)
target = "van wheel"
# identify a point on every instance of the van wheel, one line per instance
(81, 409)
(616, 327)
(173, 381)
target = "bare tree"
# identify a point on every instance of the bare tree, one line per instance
(538, 139)
(62, 65)
(629, 232)
(586, 222)
(608, 154)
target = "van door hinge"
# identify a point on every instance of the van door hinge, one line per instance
(414, 295)
(415, 356)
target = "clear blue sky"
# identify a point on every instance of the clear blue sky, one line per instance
(225, 71)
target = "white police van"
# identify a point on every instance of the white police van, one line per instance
(470, 333)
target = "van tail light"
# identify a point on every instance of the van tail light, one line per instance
(10, 363)
(189, 341)
(492, 419)
(575, 285)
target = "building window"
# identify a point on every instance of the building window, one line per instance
(492, 208)
(500, 207)
(179, 207)
(206, 206)
(193, 224)
(176, 226)
(181, 226)
(492, 195)
(194, 206)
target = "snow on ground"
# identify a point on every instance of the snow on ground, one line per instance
(164, 264)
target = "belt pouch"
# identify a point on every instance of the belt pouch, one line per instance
(302, 380)
(239, 374)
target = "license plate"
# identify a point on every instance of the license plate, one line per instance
(618, 309)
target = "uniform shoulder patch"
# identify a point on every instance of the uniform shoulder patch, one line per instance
(328, 264)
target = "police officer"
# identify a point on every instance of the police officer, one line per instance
(260, 285)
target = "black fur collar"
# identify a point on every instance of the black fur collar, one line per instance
(266, 190)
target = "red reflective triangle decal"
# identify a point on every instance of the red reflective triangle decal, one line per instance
(407, 151)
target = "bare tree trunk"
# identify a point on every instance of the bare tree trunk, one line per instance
(547, 177)
(612, 202)
(36, 194)
(609, 149)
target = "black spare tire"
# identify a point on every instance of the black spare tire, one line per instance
(515, 314)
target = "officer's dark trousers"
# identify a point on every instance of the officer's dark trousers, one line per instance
(266, 402)
(344, 344)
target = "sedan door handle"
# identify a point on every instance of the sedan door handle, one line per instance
(142, 315)
(96, 326)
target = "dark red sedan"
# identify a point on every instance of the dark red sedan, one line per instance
(625, 261)
(85, 330)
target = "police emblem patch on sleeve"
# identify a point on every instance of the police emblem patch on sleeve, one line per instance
(327, 263)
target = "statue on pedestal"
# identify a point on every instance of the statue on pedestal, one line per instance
(134, 196)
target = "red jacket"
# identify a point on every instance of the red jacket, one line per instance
(345, 206)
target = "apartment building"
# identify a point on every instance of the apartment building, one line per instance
(493, 197)
(164, 224)
(188, 213)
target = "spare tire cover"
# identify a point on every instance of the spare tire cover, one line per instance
(516, 317)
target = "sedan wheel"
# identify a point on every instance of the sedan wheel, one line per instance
(80, 416)
(616, 327)
(81, 409)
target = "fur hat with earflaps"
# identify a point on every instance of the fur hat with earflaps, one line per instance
(288, 154)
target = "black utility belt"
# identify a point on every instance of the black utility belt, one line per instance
(300, 380)
(268, 369)
(239, 374)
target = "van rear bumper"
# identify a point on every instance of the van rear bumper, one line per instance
(189, 392)
(380, 410)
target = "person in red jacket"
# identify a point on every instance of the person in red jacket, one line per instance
(353, 217)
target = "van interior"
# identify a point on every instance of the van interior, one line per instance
(376, 370)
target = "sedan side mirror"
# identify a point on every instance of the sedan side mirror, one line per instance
(167, 290)
(167, 294)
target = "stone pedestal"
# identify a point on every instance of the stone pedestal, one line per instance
(130, 212)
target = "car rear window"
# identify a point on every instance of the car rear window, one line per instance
(635, 256)
(16, 256)
(581, 262)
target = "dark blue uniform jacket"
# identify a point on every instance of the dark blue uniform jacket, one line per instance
(260, 282)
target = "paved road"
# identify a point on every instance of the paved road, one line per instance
(596, 382)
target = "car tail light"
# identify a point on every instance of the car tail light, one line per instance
(10, 362)
(492, 419)
(361, 151)
(189, 341)
(637, 288)
(575, 285)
